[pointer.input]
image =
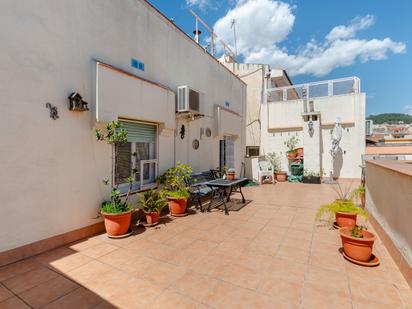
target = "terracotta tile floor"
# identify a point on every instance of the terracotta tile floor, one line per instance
(270, 254)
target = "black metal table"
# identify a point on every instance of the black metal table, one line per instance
(220, 187)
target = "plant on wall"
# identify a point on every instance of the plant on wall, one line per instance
(291, 143)
(274, 160)
(116, 212)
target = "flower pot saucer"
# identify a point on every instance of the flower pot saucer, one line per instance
(374, 261)
(127, 234)
(179, 215)
(145, 224)
(336, 226)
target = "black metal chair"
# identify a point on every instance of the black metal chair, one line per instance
(198, 189)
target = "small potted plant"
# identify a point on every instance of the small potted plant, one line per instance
(291, 144)
(231, 173)
(176, 190)
(357, 243)
(152, 202)
(311, 177)
(359, 193)
(343, 209)
(276, 162)
(117, 213)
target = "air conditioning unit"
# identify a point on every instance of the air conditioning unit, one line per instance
(188, 100)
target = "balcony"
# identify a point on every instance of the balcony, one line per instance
(328, 88)
(269, 254)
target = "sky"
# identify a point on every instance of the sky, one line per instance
(317, 40)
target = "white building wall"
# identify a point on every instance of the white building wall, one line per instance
(52, 170)
(281, 120)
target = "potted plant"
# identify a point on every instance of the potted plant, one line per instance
(343, 209)
(231, 173)
(359, 193)
(176, 190)
(152, 202)
(291, 144)
(276, 162)
(311, 177)
(117, 213)
(357, 243)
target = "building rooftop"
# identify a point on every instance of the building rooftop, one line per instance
(269, 254)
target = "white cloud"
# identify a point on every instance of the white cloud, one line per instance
(201, 4)
(346, 32)
(408, 109)
(262, 25)
(259, 24)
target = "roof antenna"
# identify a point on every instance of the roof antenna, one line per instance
(233, 25)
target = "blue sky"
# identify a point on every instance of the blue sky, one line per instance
(318, 40)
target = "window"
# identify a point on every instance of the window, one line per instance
(227, 153)
(252, 151)
(138, 157)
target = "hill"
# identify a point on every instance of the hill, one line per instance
(390, 118)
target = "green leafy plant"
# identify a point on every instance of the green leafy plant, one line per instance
(114, 135)
(309, 173)
(357, 231)
(340, 205)
(116, 205)
(175, 181)
(358, 192)
(275, 160)
(291, 143)
(152, 201)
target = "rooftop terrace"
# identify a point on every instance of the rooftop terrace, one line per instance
(270, 254)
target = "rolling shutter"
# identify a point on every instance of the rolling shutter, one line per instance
(139, 132)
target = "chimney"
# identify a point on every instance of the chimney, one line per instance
(197, 34)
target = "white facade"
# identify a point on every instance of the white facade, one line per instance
(284, 118)
(52, 170)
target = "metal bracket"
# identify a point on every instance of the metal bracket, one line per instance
(54, 114)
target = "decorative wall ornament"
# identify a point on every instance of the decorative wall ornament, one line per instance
(195, 144)
(208, 132)
(76, 102)
(54, 114)
(182, 131)
(310, 127)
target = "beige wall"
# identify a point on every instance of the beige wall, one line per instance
(389, 199)
(281, 120)
(52, 170)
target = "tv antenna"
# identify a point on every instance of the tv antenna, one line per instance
(233, 26)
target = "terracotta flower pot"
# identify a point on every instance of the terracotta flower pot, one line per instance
(299, 152)
(117, 224)
(291, 155)
(230, 176)
(177, 206)
(357, 248)
(281, 176)
(345, 219)
(152, 218)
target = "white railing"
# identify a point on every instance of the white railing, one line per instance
(341, 86)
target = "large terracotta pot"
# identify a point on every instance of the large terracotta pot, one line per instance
(359, 249)
(299, 152)
(231, 176)
(152, 218)
(177, 206)
(345, 219)
(281, 176)
(291, 155)
(117, 224)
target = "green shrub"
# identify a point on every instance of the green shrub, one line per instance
(152, 201)
(340, 205)
(116, 205)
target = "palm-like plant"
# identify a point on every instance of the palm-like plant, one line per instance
(152, 201)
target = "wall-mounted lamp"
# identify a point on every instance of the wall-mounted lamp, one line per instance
(310, 127)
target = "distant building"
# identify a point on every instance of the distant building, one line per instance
(368, 127)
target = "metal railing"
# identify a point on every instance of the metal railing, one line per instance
(341, 86)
